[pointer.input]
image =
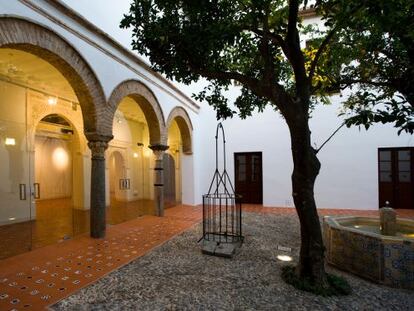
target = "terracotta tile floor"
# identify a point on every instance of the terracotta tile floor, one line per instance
(56, 220)
(42, 277)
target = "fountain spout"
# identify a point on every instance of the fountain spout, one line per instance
(388, 220)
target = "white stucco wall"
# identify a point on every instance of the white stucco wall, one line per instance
(348, 178)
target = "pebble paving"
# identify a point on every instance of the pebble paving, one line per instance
(176, 276)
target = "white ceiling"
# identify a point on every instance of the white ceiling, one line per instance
(29, 70)
(131, 110)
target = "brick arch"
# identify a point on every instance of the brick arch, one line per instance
(179, 115)
(28, 36)
(148, 103)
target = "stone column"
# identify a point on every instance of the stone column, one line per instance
(98, 145)
(159, 178)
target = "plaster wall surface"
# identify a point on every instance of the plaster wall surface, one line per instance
(348, 178)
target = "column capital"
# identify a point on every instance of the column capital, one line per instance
(159, 147)
(158, 150)
(94, 137)
(98, 149)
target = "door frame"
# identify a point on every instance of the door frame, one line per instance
(261, 175)
(394, 170)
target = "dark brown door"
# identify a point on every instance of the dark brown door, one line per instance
(248, 176)
(395, 175)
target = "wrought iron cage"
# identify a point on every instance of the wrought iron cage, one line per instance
(222, 210)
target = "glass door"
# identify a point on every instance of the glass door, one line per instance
(16, 210)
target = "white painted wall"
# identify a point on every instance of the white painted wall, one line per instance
(348, 177)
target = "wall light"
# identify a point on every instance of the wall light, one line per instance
(52, 101)
(284, 258)
(60, 158)
(12, 218)
(10, 141)
(135, 155)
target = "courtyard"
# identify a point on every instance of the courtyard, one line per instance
(153, 263)
(107, 121)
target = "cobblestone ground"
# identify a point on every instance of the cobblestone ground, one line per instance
(176, 276)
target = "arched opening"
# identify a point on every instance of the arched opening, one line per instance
(58, 183)
(179, 140)
(130, 193)
(42, 75)
(117, 184)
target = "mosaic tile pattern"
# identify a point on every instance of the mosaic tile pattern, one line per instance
(356, 253)
(385, 260)
(399, 264)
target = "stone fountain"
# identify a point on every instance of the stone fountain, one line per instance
(380, 249)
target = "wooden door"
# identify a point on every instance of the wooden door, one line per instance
(248, 176)
(395, 176)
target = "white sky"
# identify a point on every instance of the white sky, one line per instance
(107, 15)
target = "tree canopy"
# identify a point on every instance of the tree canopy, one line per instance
(375, 47)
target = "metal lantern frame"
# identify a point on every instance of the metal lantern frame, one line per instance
(222, 209)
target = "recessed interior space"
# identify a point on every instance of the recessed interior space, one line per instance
(45, 160)
(172, 167)
(129, 165)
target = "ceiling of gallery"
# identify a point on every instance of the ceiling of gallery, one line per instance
(31, 71)
(28, 70)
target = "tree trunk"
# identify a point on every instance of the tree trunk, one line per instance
(306, 169)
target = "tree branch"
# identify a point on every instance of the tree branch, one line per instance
(293, 19)
(321, 49)
(349, 82)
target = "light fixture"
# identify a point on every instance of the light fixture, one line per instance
(10, 141)
(60, 158)
(12, 218)
(52, 101)
(119, 120)
(135, 155)
(284, 258)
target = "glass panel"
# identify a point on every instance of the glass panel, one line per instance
(15, 199)
(385, 177)
(404, 155)
(385, 155)
(256, 168)
(242, 173)
(404, 176)
(404, 166)
(241, 167)
(385, 166)
(241, 159)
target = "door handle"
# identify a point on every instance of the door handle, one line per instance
(36, 193)
(22, 190)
